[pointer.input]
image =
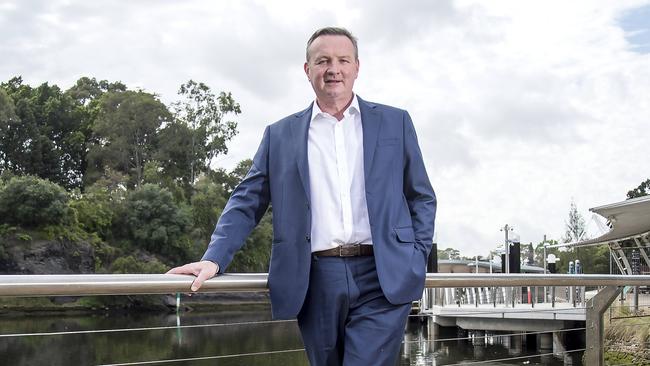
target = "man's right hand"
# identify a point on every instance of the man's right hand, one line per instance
(203, 270)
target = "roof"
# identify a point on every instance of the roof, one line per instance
(495, 266)
(628, 220)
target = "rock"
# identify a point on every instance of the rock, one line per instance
(46, 257)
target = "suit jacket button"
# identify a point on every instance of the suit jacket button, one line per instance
(308, 238)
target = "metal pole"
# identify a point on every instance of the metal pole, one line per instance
(505, 229)
(491, 261)
(545, 265)
(509, 295)
(595, 337)
(116, 284)
(553, 296)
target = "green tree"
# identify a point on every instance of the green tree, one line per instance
(528, 252)
(45, 139)
(208, 202)
(154, 173)
(198, 132)
(155, 222)
(539, 251)
(8, 121)
(642, 190)
(86, 90)
(593, 259)
(87, 93)
(449, 253)
(575, 226)
(94, 210)
(230, 180)
(126, 132)
(32, 202)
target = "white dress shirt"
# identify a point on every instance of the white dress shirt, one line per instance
(339, 212)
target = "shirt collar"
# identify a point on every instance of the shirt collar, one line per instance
(316, 112)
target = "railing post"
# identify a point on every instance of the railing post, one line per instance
(553, 296)
(595, 335)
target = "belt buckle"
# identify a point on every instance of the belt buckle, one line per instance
(349, 250)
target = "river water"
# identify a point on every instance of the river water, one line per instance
(221, 334)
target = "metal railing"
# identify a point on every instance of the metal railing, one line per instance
(130, 284)
(575, 296)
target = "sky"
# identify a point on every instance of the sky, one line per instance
(520, 106)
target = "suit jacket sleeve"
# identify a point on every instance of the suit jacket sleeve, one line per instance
(244, 210)
(418, 192)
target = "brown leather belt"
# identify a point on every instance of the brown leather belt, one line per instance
(346, 250)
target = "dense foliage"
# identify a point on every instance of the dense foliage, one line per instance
(32, 202)
(103, 164)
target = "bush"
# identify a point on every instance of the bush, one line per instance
(208, 201)
(129, 264)
(94, 211)
(32, 202)
(156, 223)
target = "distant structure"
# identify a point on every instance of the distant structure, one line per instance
(629, 235)
(469, 266)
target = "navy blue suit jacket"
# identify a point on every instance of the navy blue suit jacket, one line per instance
(401, 206)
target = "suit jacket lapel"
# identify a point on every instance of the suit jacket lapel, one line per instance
(371, 122)
(300, 136)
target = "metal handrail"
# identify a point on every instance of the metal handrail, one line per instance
(132, 284)
(124, 284)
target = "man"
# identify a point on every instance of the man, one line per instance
(353, 215)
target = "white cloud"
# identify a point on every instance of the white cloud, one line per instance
(519, 106)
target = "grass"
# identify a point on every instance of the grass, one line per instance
(627, 338)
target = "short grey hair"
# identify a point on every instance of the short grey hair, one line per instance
(334, 31)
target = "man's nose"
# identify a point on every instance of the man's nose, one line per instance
(333, 69)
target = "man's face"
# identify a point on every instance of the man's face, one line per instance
(332, 68)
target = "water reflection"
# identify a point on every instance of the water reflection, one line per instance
(424, 345)
(420, 346)
(148, 345)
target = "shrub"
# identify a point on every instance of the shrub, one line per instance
(94, 211)
(31, 202)
(156, 223)
(130, 264)
(207, 203)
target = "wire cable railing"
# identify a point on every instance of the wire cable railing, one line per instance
(205, 358)
(238, 324)
(516, 358)
(141, 329)
(468, 338)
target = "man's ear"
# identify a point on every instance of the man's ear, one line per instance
(306, 67)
